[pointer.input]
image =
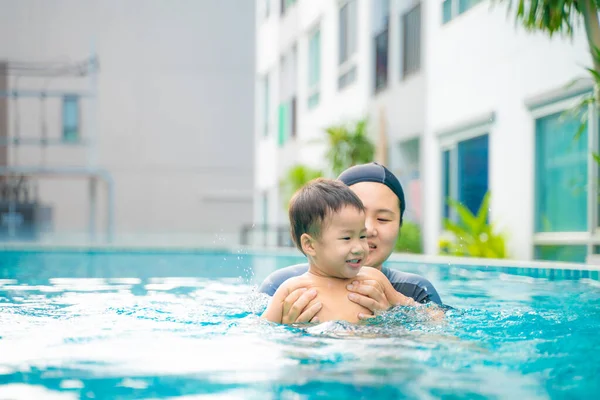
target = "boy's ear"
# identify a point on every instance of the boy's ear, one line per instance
(307, 243)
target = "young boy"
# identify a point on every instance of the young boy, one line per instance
(328, 226)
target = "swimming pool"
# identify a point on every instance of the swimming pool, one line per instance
(158, 324)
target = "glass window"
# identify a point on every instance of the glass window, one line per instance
(381, 60)
(347, 31)
(287, 96)
(465, 173)
(446, 182)
(381, 15)
(472, 178)
(70, 118)
(565, 253)
(464, 5)
(453, 8)
(411, 41)
(446, 11)
(560, 175)
(380, 29)
(285, 5)
(283, 130)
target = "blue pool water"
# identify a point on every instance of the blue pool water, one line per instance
(162, 325)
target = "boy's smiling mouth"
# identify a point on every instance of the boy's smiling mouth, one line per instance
(354, 262)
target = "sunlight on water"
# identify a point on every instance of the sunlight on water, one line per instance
(184, 336)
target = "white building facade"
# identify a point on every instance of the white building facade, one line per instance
(469, 103)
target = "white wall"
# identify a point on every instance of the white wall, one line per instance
(175, 115)
(480, 63)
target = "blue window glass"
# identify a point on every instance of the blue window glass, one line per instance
(283, 119)
(465, 174)
(70, 118)
(446, 11)
(464, 5)
(562, 253)
(560, 175)
(472, 171)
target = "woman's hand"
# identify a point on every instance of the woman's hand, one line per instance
(370, 294)
(295, 308)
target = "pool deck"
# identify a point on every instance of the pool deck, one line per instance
(165, 246)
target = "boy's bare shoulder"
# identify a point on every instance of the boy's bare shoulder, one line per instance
(294, 283)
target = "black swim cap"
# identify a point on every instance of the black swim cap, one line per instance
(374, 172)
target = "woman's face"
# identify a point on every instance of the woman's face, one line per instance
(382, 220)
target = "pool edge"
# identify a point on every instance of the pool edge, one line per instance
(285, 251)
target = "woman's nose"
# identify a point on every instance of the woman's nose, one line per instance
(371, 230)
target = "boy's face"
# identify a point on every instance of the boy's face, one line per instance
(382, 220)
(342, 247)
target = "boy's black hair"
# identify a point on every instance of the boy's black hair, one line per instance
(314, 202)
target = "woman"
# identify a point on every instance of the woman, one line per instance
(383, 197)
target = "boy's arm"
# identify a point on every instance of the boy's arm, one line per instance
(274, 311)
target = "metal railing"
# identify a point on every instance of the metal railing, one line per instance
(266, 235)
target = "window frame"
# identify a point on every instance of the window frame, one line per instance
(590, 237)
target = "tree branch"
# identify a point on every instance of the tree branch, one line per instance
(592, 30)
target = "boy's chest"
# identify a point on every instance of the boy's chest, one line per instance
(336, 304)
